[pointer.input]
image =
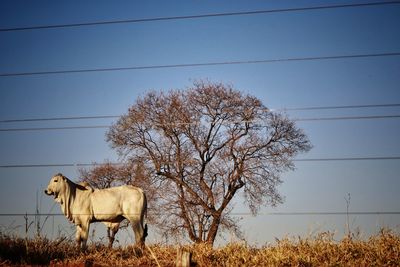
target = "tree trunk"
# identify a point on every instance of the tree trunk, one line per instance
(212, 233)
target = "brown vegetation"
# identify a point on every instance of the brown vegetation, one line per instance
(382, 249)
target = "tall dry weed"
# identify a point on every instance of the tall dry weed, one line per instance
(382, 249)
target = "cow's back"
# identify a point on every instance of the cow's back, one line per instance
(117, 201)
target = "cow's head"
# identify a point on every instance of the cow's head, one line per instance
(56, 187)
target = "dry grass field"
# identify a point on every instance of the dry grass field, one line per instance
(382, 249)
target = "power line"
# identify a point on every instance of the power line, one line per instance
(320, 213)
(62, 118)
(340, 107)
(185, 65)
(201, 16)
(54, 128)
(281, 109)
(241, 213)
(350, 118)
(347, 159)
(189, 123)
(53, 165)
(115, 163)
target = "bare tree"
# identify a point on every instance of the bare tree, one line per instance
(102, 175)
(108, 174)
(204, 145)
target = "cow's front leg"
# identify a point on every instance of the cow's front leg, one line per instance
(78, 236)
(82, 233)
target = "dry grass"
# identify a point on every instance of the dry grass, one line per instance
(382, 249)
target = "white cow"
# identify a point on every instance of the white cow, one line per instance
(83, 205)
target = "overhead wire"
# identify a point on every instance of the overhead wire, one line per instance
(200, 16)
(347, 159)
(321, 213)
(201, 64)
(60, 118)
(49, 165)
(242, 213)
(191, 123)
(278, 109)
(349, 118)
(340, 107)
(54, 128)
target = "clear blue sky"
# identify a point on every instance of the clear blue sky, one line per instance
(312, 187)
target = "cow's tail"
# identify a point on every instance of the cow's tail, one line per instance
(144, 215)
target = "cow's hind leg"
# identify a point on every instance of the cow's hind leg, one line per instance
(140, 233)
(111, 232)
